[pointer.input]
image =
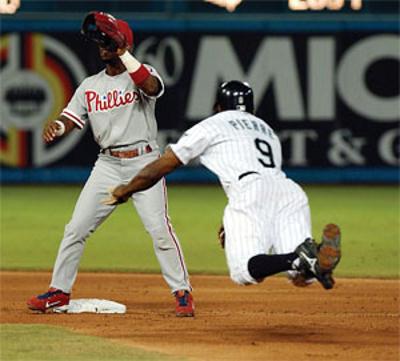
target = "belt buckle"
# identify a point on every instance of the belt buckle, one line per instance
(137, 152)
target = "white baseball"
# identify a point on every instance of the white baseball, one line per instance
(61, 128)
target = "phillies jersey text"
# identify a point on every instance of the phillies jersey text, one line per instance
(118, 112)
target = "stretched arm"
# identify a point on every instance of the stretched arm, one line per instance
(146, 178)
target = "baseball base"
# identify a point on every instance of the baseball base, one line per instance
(91, 305)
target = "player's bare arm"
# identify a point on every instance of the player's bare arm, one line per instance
(151, 86)
(146, 178)
(140, 75)
(57, 128)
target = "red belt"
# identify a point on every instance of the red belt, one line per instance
(130, 153)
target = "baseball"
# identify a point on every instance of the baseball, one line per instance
(60, 128)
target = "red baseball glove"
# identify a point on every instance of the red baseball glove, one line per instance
(108, 25)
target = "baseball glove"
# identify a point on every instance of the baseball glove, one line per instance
(221, 236)
(103, 29)
(108, 25)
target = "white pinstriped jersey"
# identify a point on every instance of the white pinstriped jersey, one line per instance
(265, 211)
(230, 144)
(118, 112)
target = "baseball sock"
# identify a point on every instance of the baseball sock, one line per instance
(264, 265)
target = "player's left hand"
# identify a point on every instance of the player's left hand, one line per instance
(117, 195)
(108, 25)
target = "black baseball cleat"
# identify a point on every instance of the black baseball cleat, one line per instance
(308, 254)
(321, 259)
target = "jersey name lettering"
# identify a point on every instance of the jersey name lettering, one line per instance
(243, 124)
(113, 99)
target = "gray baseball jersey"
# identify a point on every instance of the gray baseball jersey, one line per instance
(265, 210)
(118, 111)
(119, 114)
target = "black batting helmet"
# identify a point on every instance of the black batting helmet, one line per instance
(235, 95)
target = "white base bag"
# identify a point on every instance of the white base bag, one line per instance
(91, 305)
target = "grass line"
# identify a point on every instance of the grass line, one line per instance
(49, 343)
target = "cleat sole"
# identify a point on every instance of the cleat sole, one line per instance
(329, 250)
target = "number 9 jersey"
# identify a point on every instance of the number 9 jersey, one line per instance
(231, 144)
(266, 211)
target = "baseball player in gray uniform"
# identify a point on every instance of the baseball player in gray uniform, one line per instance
(118, 103)
(266, 210)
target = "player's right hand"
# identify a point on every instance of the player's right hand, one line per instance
(50, 131)
(116, 196)
(108, 25)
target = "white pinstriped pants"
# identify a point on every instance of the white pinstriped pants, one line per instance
(263, 215)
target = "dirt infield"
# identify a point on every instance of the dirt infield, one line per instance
(358, 320)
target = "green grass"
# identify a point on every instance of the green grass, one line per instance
(369, 218)
(33, 220)
(49, 343)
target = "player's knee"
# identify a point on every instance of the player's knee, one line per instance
(76, 232)
(239, 274)
(162, 237)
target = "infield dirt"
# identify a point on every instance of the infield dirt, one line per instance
(357, 320)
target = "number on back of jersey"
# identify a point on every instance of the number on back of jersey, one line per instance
(265, 149)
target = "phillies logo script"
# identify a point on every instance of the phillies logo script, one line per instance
(113, 99)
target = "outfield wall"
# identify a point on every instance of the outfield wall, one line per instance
(330, 89)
